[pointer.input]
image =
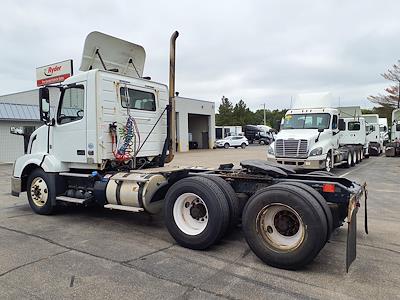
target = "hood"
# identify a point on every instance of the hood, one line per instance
(305, 134)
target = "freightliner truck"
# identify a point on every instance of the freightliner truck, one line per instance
(374, 137)
(110, 142)
(321, 137)
(393, 147)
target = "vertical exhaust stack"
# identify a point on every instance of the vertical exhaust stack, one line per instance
(171, 110)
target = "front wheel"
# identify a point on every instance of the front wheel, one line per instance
(243, 145)
(41, 192)
(328, 163)
(226, 146)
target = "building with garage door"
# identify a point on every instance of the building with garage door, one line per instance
(195, 122)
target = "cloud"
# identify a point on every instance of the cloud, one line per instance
(258, 51)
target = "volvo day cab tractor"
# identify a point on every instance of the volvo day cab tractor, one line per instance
(393, 147)
(110, 142)
(320, 137)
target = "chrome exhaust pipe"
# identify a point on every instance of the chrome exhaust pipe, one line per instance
(171, 111)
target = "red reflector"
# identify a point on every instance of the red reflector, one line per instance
(328, 188)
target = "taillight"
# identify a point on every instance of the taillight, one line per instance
(328, 188)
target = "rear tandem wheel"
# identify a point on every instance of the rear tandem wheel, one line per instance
(284, 226)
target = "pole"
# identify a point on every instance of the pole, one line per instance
(398, 99)
(265, 116)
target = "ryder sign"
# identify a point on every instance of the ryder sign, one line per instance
(54, 73)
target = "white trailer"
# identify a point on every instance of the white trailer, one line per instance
(112, 134)
(318, 137)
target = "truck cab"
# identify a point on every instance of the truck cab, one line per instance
(374, 139)
(307, 139)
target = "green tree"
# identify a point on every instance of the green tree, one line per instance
(242, 114)
(225, 113)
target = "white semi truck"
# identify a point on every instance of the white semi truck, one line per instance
(393, 147)
(374, 137)
(107, 145)
(320, 137)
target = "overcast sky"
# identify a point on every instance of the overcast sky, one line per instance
(258, 51)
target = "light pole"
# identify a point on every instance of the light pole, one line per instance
(265, 116)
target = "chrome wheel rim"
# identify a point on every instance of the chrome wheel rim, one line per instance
(190, 214)
(280, 227)
(39, 192)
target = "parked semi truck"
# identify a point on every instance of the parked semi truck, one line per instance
(110, 142)
(374, 138)
(319, 138)
(393, 147)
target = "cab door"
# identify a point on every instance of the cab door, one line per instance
(69, 132)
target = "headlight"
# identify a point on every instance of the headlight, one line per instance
(316, 151)
(271, 150)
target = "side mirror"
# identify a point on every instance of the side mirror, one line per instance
(321, 130)
(384, 128)
(17, 130)
(342, 125)
(44, 104)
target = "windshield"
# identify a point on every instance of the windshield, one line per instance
(306, 121)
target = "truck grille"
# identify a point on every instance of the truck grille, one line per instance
(291, 148)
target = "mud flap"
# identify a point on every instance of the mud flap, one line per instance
(365, 212)
(351, 250)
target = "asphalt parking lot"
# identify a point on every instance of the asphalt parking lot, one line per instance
(98, 254)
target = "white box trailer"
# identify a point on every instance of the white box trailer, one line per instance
(108, 144)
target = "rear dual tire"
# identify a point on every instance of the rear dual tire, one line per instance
(285, 225)
(196, 212)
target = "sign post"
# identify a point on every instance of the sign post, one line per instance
(54, 73)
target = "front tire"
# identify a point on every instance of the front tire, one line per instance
(328, 163)
(196, 212)
(41, 192)
(284, 226)
(243, 145)
(226, 146)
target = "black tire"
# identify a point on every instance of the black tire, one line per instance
(321, 201)
(243, 145)
(231, 198)
(226, 145)
(357, 154)
(218, 212)
(38, 185)
(322, 173)
(311, 215)
(349, 161)
(353, 163)
(328, 161)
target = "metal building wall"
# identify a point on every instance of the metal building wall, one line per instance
(12, 146)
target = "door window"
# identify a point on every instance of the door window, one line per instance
(334, 122)
(72, 105)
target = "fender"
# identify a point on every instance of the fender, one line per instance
(49, 163)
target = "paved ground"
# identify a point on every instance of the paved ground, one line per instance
(97, 254)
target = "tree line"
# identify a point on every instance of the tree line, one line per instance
(240, 115)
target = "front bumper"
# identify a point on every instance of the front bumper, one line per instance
(15, 186)
(316, 163)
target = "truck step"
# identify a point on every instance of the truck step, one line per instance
(123, 207)
(72, 200)
(83, 175)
